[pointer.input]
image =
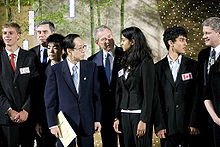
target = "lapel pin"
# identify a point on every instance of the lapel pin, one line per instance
(84, 78)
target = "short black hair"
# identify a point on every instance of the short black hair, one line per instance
(68, 41)
(57, 39)
(51, 25)
(172, 33)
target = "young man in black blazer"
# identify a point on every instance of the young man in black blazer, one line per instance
(211, 30)
(18, 82)
(176, 75)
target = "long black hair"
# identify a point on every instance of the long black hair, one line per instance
(138, 51)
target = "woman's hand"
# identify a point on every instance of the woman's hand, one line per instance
(141, 128)
(115, 126)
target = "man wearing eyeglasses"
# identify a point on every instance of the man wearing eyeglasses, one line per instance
(73, 87)
(106, 60)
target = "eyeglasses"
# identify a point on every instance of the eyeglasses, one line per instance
(81, 48)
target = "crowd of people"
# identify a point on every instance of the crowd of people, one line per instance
(118, 91)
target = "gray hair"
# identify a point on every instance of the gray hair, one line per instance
(51, 25)
(99, 29)
(213, 22)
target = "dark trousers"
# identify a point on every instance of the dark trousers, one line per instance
(109, 136)
(47, 139)
(175, 140)
(129, 129)
(82, 141)
(18, 136)
(216, 135)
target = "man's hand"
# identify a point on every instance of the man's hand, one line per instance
(141, 129)
(97, 127)
(14, 115)
(23, 116)
(38, 129)
(194, 131)
(161, 133)
(115, 126)
(55, 131)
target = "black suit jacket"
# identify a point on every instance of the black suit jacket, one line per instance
(178, 99)
(17, 88)
(107, 91)
(137, 91)
(203, 60)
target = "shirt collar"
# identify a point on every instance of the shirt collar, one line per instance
(178, 60)
(71, 66)
(15, 53)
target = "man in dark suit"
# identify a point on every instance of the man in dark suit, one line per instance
(207, 57)
(73, 87)
(176, 75)
(18, 76)
(44, 138)
(104, 39)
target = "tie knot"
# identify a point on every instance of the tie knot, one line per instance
(74, 67)
(12, 55)
(213, 52)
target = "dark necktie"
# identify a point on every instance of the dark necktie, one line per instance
(108, 68)
(12, 61)
(44, 55)
(211, 60)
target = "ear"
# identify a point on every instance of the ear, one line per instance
(18, 36)
(132, 42)
(68, 51)
(96, 42)
(170, 43)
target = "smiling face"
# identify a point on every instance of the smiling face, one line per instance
(105, 40)
(211, 37)
(179, 46)
(10, 36)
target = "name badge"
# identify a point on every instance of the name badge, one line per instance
(187, 76)
(24, 70)
(121, 72)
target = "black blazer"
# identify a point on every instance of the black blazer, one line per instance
(17, 88)
(213, 87)
(107, 91)
(137, 91)
(178, 99)
(203, 60)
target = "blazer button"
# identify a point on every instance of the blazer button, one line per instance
(177, 106)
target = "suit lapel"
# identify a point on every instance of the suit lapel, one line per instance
(6, 65)
(181, 70)
(99, 59)
(68, 78)
(167, 70)
(19, 64)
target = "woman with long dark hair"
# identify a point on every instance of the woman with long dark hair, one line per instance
(135, 96)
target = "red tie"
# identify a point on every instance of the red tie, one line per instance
(12, 61)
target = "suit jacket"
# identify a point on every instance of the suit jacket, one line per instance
(178, 99)
(39, 102)
(203, 60)
(213, 87)
(60, 95)
(137, 91)
(17, 88)
(107, 91)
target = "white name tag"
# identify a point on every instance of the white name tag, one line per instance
(187, 76)
(24, 70)
(120, 73)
